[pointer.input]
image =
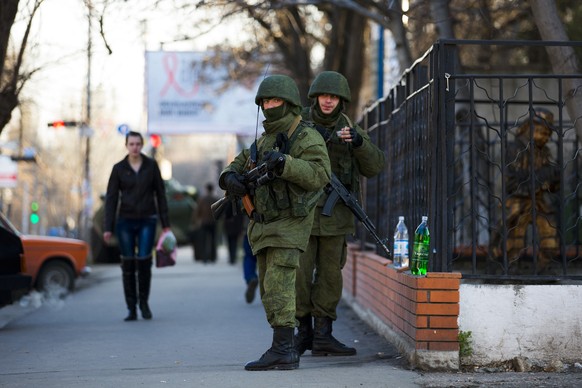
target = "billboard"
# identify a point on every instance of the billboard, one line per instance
(8, 172)
(188, 94)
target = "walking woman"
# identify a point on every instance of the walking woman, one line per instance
(136, 184)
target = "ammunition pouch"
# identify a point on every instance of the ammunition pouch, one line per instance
(281, 199)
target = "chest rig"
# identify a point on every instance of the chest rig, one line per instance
(280, 198)
(340, 153)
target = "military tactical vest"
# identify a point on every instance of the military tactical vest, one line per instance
(281, 198)
(341, 154)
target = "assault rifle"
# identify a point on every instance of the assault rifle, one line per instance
(254, 178)
(337, 190)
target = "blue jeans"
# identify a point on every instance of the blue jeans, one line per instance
(249, 261)
(135, 234)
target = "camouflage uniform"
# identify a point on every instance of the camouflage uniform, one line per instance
(285, 208)
(319, 292)
(520, 203)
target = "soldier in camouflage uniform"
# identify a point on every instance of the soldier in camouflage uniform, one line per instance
(520, 201)
(319, 279)
(279, 228)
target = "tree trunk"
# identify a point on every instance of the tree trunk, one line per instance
(399, 35)
(562, 58)
(8, 99)
(8, 9)
(346, 51)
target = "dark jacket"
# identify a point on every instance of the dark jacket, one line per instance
(204, 211)
(142, 194)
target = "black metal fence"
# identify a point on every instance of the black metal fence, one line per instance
(462, 148)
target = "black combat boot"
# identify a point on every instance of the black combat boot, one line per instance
(129, 286)
(304, 337)
(144, 276)
(324, 344)
(281, 355)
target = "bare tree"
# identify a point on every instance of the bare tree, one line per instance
(292, 30)
(12, 74)
(396, 27)
(563, 58)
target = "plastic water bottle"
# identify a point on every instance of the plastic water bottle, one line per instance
(421, 248)
(401, 244)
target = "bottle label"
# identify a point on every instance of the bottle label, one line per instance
(401, 247)
(421, 251)
(400, 253)
(419, 263)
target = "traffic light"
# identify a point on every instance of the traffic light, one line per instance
(156, 140)
(34, 218)
(63, 124)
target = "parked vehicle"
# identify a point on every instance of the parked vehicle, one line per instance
(13, 281)
(181, 210)
(46, 262)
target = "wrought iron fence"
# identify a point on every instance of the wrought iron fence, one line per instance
(467, 149)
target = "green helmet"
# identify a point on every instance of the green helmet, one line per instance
(280, 86)
(330, 82)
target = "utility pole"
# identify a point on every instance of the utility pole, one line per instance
(380, 70)
(86, 131)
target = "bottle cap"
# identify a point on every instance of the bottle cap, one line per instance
(400, 218)
(425, 218)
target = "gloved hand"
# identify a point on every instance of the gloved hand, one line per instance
(275, 161)
(357, 139)
(234, 183)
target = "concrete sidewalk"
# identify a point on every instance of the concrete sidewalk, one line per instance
(202, 334)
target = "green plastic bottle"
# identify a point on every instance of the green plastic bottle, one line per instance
(421, 248)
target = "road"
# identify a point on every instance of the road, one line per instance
(202, 334)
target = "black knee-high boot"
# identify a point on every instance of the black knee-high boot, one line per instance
(144, 277)
(129, 286)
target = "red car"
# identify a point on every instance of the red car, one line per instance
(50, 262)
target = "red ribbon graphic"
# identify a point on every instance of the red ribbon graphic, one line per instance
(171, 65)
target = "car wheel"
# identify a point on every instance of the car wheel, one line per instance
(56, 277)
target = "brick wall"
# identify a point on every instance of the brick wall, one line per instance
(422, 311)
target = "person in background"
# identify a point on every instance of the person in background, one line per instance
(233, 224)
(207, 225)
(319, 278)
(249, 270)
(194, 232)
(279, 226)
(136, 185)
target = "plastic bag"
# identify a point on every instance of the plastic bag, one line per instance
(166, 250)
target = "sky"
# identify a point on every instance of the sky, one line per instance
(117, 79)
(58, 91)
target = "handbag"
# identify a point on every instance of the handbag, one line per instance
(166, 250)
(164, 259)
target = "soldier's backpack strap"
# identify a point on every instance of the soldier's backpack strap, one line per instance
(284, 140)
(294, 132)
(350, 123)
